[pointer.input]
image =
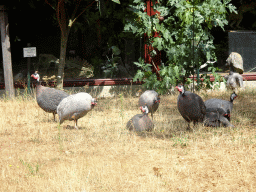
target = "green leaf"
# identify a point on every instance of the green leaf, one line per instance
(116, 1)
(177, 32)
(139, 76)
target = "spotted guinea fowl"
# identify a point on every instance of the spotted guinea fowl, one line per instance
(151, 99)
(190, 106)
(220, 103)
(140, 122)
(75, 106)
(48, 98)
(214, 117)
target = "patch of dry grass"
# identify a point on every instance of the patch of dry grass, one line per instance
(38, 155)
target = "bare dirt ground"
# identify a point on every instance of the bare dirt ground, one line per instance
(39, 155)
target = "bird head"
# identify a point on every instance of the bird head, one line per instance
(227, 114)
(157, 100)
(94, 101)
(36, 76)
(144, 109)
(231, 72)
(233, 96)
(180, 88)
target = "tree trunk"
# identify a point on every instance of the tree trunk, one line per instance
(65, 28)
(63, 48)
(6, 49)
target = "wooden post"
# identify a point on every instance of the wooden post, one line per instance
(6, 49)
(28, 68)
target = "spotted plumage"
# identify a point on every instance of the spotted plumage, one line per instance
(216, 116)
(220, 103)
(140, 122)
(75, 106)
(48, 98)
(151, 99)
(190, 106)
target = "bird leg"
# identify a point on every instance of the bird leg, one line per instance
(54, 116)
(152, 116)
(188, 128)
(76, 124)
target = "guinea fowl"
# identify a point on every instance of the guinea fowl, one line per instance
(151, 99)
(140, 122)
(48, 98)
(215, 116)
(75, 106)
(190, 106)
(220, 103)
(234, 80)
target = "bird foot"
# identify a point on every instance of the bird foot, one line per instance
(76, 127)
(190, 129)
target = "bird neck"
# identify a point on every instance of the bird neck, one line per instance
(183, 91)
(232, 99)
(38, 83)
(38, 86)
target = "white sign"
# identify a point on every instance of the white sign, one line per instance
(29, 52)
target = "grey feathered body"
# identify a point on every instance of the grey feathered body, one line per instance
(49, 98)
(219, 103)
(149, 99)
(140, 122)
(74, 106)
(191, 107)
(234, 80)
(215, 117)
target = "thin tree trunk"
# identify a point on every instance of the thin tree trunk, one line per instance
(63, 48)
(61, 16)
(65, 26)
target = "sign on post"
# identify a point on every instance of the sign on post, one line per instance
(29, 52)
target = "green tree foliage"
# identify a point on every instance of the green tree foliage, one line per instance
(184, 36)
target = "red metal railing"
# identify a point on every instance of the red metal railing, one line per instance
(108, 82)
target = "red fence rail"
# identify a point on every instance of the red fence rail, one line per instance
(108, 82)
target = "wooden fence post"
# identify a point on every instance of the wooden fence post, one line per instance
(6, 49)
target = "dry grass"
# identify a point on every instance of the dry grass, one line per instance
(37, 155)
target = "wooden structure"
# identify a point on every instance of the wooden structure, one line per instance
(6, 49)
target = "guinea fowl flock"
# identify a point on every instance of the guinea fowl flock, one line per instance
(212, 112)
(68, 107)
